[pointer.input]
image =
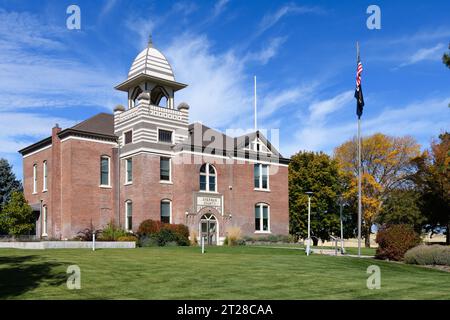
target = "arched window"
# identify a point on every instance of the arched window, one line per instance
(128, 215)
(208, 180)
(262, 217)
(166, 211)
(159, 97)
(136, 92)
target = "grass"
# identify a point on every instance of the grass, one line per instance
(221, 273)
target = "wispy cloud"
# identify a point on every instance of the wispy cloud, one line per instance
(320, 130)
(219, 7)
(433, 53)
(269, 20)
(267, 52)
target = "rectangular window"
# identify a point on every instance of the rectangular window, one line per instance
(257, 218)
(256, 175)
(203, 182)
(129, 219)
(129, 170)
(164, 136)
(44, 175)
(35, 178)
(128, 137)
(261, 176)
(44, 221)
(265, 217)
(164, 169)
(104, 171)
(165, 211)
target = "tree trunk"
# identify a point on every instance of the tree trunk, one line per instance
(315, 242)
(367, 237)
(447, 240)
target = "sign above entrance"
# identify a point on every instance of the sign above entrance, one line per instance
(212, 201)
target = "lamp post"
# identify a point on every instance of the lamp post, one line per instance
(342, 224)
(308, 244)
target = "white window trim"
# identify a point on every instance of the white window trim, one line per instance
(170, 170)
(34, 178)
(44, 176)
(260, 205)
(109, 172)
(172, 136)
(126, 171)
(260, 188)
(44, 220)
(126, 214)
(207, 174)
(132, 137)
(170, 209)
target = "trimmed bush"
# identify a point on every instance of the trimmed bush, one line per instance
(193, 238)
(149, 227)
(394, 240)
(156, 233)
(428, 255)
(127, 238)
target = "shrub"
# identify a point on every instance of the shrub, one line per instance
(112, 232)
(156, 233)
(86, 234)
(193, 238)
(394, 240)
(428, 255)
(233, 236)
(127, 238)
(149, 226)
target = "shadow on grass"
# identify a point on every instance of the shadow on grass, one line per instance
(21, 274)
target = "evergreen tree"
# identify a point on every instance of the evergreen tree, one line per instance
(8, 182)
(17, 216)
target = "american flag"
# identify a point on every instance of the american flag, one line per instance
(358, 92)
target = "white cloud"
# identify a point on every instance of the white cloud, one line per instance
(215, 81)
(422, 119)
(219, 7)
(269, 20)
(268, 52)
(433, 53)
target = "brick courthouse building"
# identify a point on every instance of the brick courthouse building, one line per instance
(147, 162)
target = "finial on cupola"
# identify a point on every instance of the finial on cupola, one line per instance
(150, 41)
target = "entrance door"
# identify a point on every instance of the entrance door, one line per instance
(208, 228)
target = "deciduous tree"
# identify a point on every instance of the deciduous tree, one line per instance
(432, 180)
(386, 163)
(317, 172)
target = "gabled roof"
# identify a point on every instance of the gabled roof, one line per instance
(100, 126)
(205, 139)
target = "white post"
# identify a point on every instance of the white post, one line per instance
(342, 227)
(308, 244)
(203, 244)
(93, 241)
(359, 171)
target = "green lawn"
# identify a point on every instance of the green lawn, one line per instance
(221, 273)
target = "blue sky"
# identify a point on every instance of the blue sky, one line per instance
(302, 52)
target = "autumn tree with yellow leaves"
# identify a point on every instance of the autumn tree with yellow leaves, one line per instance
(386, 165)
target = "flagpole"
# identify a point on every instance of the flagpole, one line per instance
(359, 171)
(256, 123)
